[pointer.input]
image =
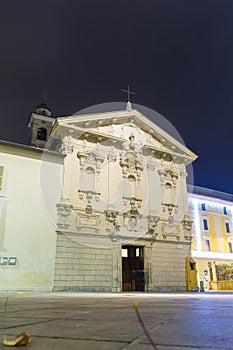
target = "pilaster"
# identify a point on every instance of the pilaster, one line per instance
(116, 268)
(148, 267)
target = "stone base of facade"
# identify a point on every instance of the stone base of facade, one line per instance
(82, 290)
(107, 290)
(171, 289)
(81, 268)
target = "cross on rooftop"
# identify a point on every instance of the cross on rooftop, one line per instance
(129, 93)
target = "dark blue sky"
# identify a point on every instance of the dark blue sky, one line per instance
(177, 56)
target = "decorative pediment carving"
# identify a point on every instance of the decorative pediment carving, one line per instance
(131, 159)
(90, 158)
(131, 165)
(109, 123)
(168, 176)
(132, 145)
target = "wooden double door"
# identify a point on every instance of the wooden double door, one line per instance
(133, 275)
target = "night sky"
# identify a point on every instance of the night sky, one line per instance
(177, 55)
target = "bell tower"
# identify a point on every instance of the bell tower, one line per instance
(40, 125)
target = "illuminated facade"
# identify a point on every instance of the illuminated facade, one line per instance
(212, 246)
(123, 219)
(113, 184)
(99, 202)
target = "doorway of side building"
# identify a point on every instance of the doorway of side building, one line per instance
(133, 276)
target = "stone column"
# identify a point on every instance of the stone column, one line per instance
(116, 267)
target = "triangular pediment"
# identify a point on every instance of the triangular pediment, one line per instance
(119, 125)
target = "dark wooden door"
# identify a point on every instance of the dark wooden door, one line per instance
(133, 277)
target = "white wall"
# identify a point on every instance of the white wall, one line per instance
(26, 229)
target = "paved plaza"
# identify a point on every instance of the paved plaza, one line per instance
(97, 321)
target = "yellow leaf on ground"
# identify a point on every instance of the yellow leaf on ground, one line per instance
(21, 339)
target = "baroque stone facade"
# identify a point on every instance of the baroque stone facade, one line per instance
(123, 218)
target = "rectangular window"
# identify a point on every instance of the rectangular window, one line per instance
(207, 245)
(230, 247)
(1, 176)
(227, 227)
(124, 253)
(225, 210)
(203, 206)
(205, 224)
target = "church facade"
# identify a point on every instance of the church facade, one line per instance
(113, 186)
